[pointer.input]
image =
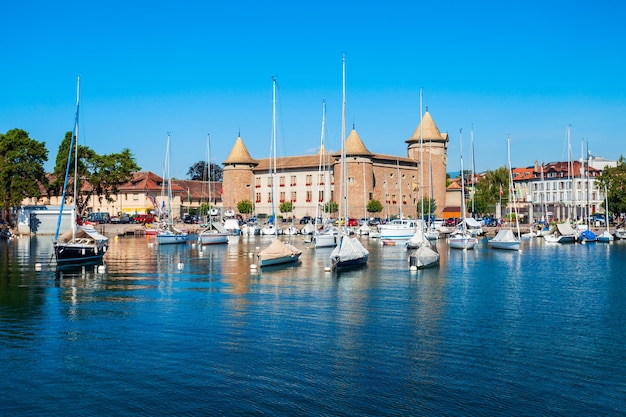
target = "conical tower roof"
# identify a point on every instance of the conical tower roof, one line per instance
(354, 145)
(239, 154)
(430, 132)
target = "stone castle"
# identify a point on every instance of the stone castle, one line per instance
(308, 182)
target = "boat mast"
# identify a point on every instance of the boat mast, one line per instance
(273, 153)
(344, 170)
(421, 162)
(512, 188)
(473, 168)
(462, 182)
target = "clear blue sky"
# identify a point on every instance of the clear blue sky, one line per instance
(525, 69)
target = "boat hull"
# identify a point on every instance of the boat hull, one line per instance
(279, 261)
(325, 241)
(464, 242)
(504, 245)
(352, 263)
(212, 238)
(171, 238)
(76, 253)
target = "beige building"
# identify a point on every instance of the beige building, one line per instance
(398, 182)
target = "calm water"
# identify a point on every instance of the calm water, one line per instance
(537, 332)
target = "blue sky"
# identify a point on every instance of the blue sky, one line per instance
(525, 69)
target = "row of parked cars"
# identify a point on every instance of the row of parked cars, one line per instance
(102, 217)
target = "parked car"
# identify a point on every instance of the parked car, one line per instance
(124, 218)
(99, 217)
(190, 219)
(143, 218)
(451, 222)
(490, 222)
(352, 222)
(374, 221)
(305, 220)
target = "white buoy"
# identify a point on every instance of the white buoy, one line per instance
(181, 265)
(412, 268)
(101, 268)
(37, 266)
(193, 245)
(253, 266)
(327, 269)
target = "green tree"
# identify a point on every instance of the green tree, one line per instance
(487, 192)
(286, 207)
(374, 206)
(614, 179)
(331, 207)
(198, 172)
(21, 169)
(104, 173)
(245, 207)
(429, 206)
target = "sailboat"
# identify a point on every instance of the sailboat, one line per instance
(328, 236)
(169, 234)
(606, 236)
(277, 252)
(214, 232)
(461, 238)
(425, 254)
(505, 239)
(564, 233)
(82, 244)
(399, 228)
(349, 253)
(586, 234)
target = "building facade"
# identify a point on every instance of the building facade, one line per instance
(311, 181)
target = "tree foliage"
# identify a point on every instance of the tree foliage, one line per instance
(98, 175)
(614, 179)
(331, 207)
(245, 207)
(374, 206)
(487, 192)
(286, 207)
(21, 169)
(199, 172)
(429, 206)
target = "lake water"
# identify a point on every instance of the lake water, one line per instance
(536, 332)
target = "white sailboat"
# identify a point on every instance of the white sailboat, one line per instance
(277, 252)
(325, 235)
(424, 254)
(606, 236)
(82, 244)
(505, 238)
(169, 234)
(349, 253)
(399, 228)
(461, 238)
(214, 233)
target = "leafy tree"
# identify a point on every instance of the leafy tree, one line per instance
(487, 192)
(429, 206)
(374, 206)
(286, 207)
(21, 169)
(331, 207)
(198, 172)
(245, 207)
(614, 179)
(103, 173)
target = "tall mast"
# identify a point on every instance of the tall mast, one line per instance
(273, 156)
(462, 180)
(421, 165)
(344, 170)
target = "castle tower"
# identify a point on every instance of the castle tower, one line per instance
(435, 146)
(359, 167)
(238, 176)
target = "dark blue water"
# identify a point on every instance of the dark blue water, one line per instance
(537, 332)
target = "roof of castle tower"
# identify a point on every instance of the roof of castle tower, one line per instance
(239, 154)
(430, 131)
(354, 145)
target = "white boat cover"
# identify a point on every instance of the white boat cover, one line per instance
(278, 249)
(86, 231)
(471, 222)
(565, 229)
(417, 239)
(348, 249)
(308, 229)
(424, 256)
(504, 235)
